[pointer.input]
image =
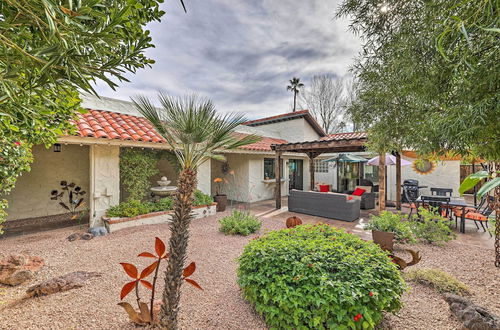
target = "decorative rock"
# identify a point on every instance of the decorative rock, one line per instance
(18, 277)
(98, 231)
(73, 237)
(87, 236)
(472, 316)
(62, 283)
(16, 269)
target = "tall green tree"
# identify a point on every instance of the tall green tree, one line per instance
(48, 50)
(294, 87)
(428, 76)
(195, 132)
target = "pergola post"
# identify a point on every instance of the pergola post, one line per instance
(381, 182)
(311, 155)
(277, 171)
(398, 181)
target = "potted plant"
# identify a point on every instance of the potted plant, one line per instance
(388, 227)
(220, 198)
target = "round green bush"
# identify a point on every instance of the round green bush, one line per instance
(319, 277)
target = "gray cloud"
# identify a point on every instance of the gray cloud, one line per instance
(242, 53)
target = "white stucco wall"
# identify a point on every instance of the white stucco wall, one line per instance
(105, 180)
(237, 188)
(296, 130)
(445, 175)
(204, 177)
(31, 196)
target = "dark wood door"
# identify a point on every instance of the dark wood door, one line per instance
(296, 174)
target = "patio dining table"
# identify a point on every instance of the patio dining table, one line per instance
(454, 202)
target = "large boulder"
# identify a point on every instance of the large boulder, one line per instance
(17, 269)
(472, 316)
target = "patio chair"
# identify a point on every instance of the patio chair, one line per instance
(441, 191)
(480, 214)
(441, 203)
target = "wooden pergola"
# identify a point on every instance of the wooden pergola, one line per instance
(337, 143)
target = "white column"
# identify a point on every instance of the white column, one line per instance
(104, 181)
(204, 177)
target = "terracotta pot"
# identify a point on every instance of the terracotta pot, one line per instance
(384, 239)
(221, 201)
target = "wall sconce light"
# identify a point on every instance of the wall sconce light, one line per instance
(57, 147)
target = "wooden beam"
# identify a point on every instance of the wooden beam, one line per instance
(381, 182)
(277, 171)
(321, 145)
(311, 155)
(398, 181)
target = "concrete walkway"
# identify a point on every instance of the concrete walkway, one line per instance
(266, 210)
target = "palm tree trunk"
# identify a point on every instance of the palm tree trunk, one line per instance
(294, 100)
(179, 231)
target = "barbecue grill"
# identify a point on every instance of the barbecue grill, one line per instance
(410, 190)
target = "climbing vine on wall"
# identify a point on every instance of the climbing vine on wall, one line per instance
(137, 166)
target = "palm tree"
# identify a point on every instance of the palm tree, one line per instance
(195, 132)
(295, 86)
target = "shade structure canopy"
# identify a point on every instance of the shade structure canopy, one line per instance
(347, 159)
(389, 160)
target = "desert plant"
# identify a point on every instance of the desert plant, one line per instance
(431, 227)
(316, 277)
(202, 199)
(194, 131)
(239, 223)
(145, 314)
(130, 208)
(74, 197)
(438, 279)
(394, 223)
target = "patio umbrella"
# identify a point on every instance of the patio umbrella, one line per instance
(346, 158)
(389, 160)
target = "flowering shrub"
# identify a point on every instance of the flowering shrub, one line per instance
(431, 227)
(318, 277)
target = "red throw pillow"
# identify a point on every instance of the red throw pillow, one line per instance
(358, 192)
(349, 198)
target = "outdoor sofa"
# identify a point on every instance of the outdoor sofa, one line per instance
(328, 205)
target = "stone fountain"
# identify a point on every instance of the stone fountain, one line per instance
(163, 188)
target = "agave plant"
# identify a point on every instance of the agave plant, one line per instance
(195, 132)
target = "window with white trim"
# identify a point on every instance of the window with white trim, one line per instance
(320, 166)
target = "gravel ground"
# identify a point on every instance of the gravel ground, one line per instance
(220, 305)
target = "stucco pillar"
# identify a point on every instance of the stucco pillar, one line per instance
(204, 176)
(104, 181)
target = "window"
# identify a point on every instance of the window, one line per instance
(320, 166)
(270, 170)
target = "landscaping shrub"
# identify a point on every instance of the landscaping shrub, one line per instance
(438, 279)
(394, 223)
(239, 223)
(431, 227)
(318, 277)
(132, 208)
(202, 199)
(137, 166)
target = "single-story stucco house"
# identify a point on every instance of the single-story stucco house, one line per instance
(91, 159)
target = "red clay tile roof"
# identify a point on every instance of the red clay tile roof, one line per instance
(289, 116)
(345, 136)
(263, 145)
(119, 126)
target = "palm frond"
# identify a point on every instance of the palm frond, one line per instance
(193, 128)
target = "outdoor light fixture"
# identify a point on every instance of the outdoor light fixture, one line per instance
(57, 147)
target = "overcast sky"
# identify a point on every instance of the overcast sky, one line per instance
(241, 53)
